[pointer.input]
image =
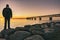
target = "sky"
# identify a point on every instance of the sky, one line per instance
(29, 8)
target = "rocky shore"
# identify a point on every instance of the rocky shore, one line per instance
(44, 31)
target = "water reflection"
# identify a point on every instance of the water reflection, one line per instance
(22, 22)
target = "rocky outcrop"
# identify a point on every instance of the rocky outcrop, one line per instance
(52, 36)
(1, 36)
(7, 32)
(34, 37)
(19, 35)
(19, 29)
(27, 27)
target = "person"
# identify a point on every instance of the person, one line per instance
(7, 14)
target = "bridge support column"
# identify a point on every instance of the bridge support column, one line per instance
(31, 18)
(34, 18)
(40, 18)
(51, 23)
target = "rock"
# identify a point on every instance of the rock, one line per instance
(34, 37)
(52, 36)
(37, 32)
(19, 35)
(36, 29)
(19, 29)
(1, 36)
(27, 27)
(2, 39)
(37, 26)
(7, 32)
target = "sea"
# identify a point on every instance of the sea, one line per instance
(22, 22)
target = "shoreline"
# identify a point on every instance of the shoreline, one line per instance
(32, 30)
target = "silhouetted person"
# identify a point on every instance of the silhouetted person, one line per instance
(7, 14)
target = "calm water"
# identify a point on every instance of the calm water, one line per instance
(21, 22)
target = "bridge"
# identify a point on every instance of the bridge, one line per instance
(40, 17)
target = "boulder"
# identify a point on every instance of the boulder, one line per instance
(1, 36)
(37, 26)
(36, 29)
(19, 29)
(37, 32)
(53, 36)
(34, 37)
(7, 32)
(2, 39)
(27, 27)
(19, 35)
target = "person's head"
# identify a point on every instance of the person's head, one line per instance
(7, 6)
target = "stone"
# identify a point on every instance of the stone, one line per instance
(34, 37)
(1, 36)
(7, 32)
(19, 35)
(19, 29)
(37, 32)
(27, 27)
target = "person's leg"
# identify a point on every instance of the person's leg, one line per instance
(8, 23)
(5, 25)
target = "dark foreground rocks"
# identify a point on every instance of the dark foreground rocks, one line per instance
(19, 35)
(19, 29)
(1, 36)
(52, 36)
(2, 39)
(34, 37)
(32, 32)
(7, 32)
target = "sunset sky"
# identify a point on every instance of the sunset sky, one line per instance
(28, 8)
